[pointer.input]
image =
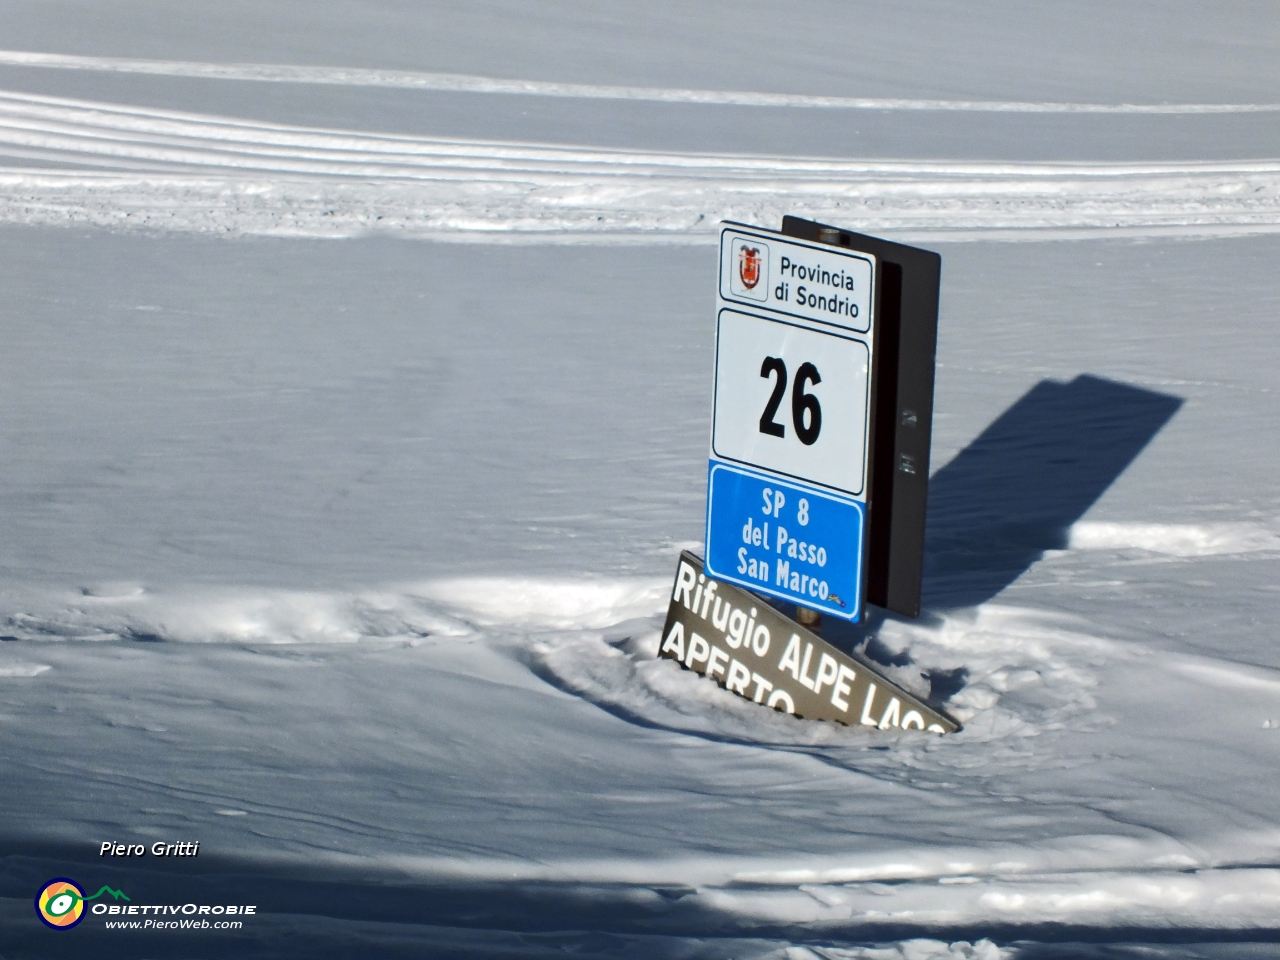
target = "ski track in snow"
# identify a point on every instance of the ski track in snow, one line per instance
(466, 83)
(81, 162)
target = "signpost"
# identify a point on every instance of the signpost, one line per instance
(818, 473)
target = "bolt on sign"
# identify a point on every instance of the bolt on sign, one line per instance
(734, 638)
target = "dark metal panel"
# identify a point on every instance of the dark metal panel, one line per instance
(908, 284)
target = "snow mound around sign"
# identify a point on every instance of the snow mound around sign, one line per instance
(1019, 664)
(1175, 539)
(626, 678)
(1019, 675)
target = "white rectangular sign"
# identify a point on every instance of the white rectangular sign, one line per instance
(792, 400)
(811, 282)
(790, 430)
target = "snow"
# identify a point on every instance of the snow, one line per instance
(169, 170)
(1174, 539)
(341, 544)
(457, 82)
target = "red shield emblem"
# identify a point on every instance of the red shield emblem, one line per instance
(749, 266)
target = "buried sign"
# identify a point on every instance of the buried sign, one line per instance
(736, 639)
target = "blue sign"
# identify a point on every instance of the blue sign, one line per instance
(785, 540)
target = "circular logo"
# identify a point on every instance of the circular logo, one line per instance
(60, 903)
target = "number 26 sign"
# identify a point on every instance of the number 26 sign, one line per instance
(791, 400)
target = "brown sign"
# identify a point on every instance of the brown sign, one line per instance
(739, 641)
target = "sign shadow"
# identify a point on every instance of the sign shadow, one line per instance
(1015, 491)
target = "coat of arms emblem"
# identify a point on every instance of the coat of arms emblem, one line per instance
(749, 266)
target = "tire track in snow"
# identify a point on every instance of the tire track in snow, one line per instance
(467, 83)
(74, 161)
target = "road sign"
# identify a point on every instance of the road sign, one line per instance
(795, 326)
(730, 637)
(784, 539)
(791, 400)
(804, 280)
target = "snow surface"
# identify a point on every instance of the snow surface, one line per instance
(356, 400)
